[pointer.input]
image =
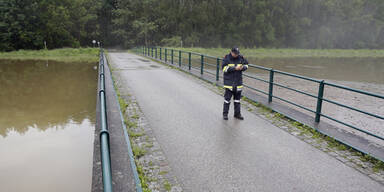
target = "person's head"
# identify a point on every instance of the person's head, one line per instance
(235, 52)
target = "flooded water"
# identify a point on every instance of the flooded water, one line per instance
(360, 73)
(47, 119)
(367, 70)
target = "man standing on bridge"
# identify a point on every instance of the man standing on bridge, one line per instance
(233, 66)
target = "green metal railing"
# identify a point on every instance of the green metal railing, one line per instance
(186, 58)
(104, 134)
(195, 61)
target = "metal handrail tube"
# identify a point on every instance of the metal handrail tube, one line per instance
(206, 71)
(355, 90)
(104, 147)
(353, 127)
(193, 53)
(209, 64)
(256, 78)
(297, 105)
(258, 90)
(298, 76)
(296, 90)
(208, 56)
(104, 134)
(260, 67)
(352, 108)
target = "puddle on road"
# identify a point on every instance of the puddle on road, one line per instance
(154, 66)
(144, 60)
(47, 120)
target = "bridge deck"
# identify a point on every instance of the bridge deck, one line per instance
(209, 154)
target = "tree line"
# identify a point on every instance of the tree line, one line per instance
(345, 24)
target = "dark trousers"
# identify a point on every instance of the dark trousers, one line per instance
(227, 101)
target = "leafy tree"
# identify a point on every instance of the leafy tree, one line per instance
(204, 23)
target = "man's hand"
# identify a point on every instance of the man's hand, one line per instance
(238, 68)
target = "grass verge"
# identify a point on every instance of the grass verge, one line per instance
(137, 150)
(62, 55)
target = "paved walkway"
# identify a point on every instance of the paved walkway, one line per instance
(209, 154)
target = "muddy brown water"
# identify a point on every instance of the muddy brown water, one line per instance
(367, 70)
(47, 120)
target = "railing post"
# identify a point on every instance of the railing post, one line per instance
(179, 58)
(189, 60)
(151, 51)
(319, 101)
(165, 53)
(160, 53)
(156, 52)
(172, 56)
(143, 50)
(217, 68)
(202, 65)
(270, 95)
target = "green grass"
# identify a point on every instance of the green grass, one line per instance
(149, 145)
(163, 172)
(135, 116)
(62, 55)
(135, 134)
(130, 124)
(123, 104)
(138, 151)
(291, 53)
(167, 186)
(143, 179)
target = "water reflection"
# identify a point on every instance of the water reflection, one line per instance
(47, 119)
(34, 94)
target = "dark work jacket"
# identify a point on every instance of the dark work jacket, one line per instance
(233, 78)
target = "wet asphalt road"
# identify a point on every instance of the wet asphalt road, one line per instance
(209, 154)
